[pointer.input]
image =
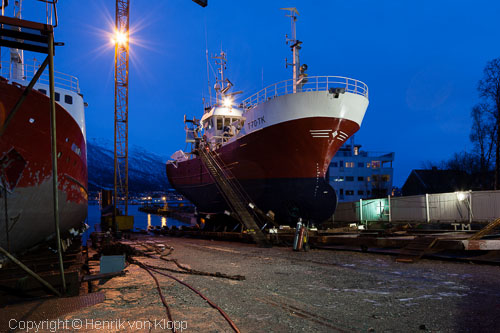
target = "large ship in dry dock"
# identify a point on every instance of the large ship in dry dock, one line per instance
(277, 143)
(25, 154)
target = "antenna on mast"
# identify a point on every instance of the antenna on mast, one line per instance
(299, 75)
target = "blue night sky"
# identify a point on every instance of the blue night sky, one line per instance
(420, 59)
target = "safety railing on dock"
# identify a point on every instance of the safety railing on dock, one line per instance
(314, 83)
(26, 71)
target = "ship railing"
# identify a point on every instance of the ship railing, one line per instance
(314, 83)
(26, 71)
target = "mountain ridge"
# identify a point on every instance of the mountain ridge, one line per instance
(146, 169)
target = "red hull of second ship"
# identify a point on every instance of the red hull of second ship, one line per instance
(282, 167)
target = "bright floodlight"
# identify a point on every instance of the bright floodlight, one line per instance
(461, 196)
(227, 102)
(119, 38)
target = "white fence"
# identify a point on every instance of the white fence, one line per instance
(26, 71)
(463, 207)
(314, 83)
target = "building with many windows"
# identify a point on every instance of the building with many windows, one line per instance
(356, 174)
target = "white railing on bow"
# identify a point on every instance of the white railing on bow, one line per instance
(314, 83)
(61, 80)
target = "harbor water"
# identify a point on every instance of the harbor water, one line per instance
(141, 220)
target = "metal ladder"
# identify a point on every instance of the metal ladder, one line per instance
(233, 194)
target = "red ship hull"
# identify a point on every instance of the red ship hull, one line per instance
(26, 169)
(282, 167)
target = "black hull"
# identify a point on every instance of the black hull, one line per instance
(311, 199)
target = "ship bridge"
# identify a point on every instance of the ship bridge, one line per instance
(222, 123)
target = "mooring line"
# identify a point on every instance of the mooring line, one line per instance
(143, 266)
(212, 304)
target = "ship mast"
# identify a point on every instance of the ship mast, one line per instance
(295, 46)
(222, 85)
(16, 55)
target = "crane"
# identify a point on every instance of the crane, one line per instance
(121, 40)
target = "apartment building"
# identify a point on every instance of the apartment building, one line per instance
(356, 174)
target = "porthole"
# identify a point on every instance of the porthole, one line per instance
(31, 120)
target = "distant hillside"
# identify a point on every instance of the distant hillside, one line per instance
(146, 170)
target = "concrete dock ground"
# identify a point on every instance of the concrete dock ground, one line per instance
(286, 291)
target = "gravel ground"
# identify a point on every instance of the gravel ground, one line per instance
(317, 291)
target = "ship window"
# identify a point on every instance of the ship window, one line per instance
(219, 124)
(368, 164)
(227, 121)
(385, 178)
(349, 192)
(375, 164)
(335, 164)
(361, 165)
(360, 193)
(360, 179)
(58, 97)
(43, 91)
(341, 191)
(68, 99)
(349, 178)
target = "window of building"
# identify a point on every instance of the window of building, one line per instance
(43, 91)
(349, 192)
(360, 192)
(375, 164)
(361, 165)
(361, 178)
(368, 164)
(335, 164)
(68, 99)
(349, 178)
(349, 164)
(58, 97)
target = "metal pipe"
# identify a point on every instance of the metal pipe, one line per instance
(6, 214)
(29, 271)
(470, 207)
(54, 156)
(389, 203)
(428, 213)
(361, 211)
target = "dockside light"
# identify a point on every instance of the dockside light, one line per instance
(119, 38)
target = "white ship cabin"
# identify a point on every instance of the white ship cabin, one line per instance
(222, 123)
